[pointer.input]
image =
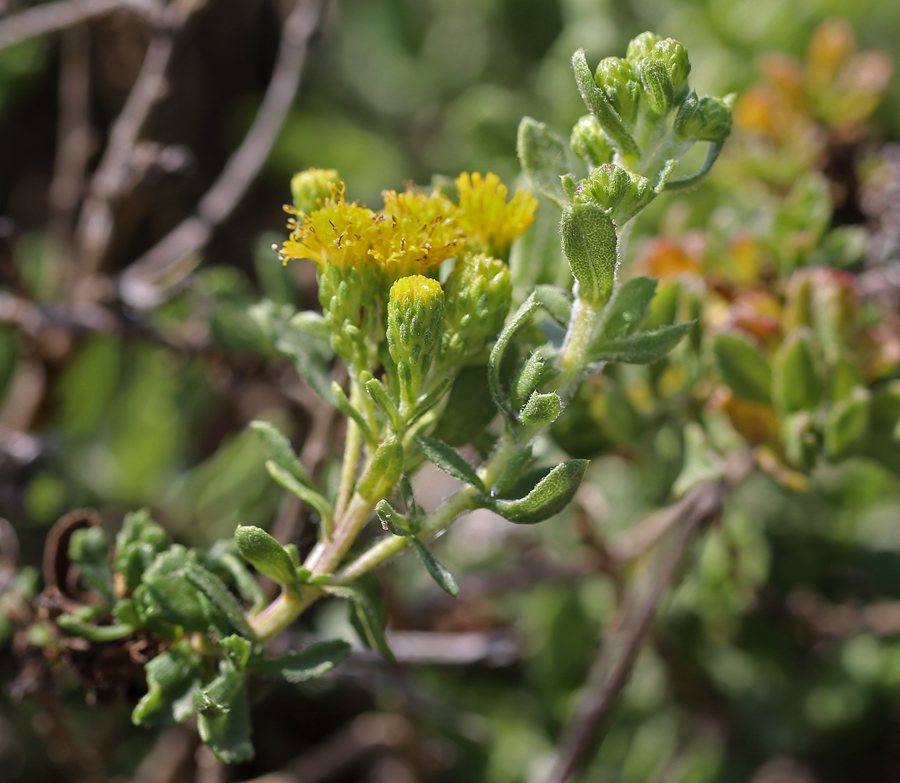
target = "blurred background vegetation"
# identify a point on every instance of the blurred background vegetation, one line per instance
(776, 660)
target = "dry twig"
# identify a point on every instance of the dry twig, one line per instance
(612, 666)
(367, 733)
(148, 281)
(53, 17)
(115, 173)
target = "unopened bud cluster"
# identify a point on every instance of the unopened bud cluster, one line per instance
(644, 117)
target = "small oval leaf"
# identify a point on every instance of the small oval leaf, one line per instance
(450, 462)
(551, 495)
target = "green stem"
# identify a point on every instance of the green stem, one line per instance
(464, 500)
(352, 451)
(282, 612)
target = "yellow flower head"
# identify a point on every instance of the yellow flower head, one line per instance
(339, 234)
(415, 233)
(486, 218)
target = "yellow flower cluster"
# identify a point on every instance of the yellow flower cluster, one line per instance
(414, 232)
(486, 217)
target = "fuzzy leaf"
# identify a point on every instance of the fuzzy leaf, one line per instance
(528, 379)
(642, 347)
(375, 389)
(599, 106)
(306, 494)
(392, 521)
(589, 242)
(385, 469)
(521, 317)
(469, 409)
(368, 619)
(265, 554)
(450, 462)
(173, 677)
(436, 569)
(556, 301)
(743, 368)
(307, 664)
(551, 495)
(541, 409)
(627, 307)
(543, 158)
(346, 407)
(138, 543)
(223, 717)
(278, 449)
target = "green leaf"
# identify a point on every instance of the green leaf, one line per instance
(173, 677)
(521, 317)
(796, 382)
(642, 347)
(306, 494)
(551, 495)
(556, 301)
(278, 450)
(600, 107)
(298, 343)
(237, 651)
(384, 470)
(701, 463)
(543, 158)
(214, 589)
(436, 569)
(138, 543)
(589, 243)
(307, 664)
(541, 409)
(627, 307)
(469, 409)
(847, 423)
(413, 509)
(712, 155)
(346, 407)
(513, 471)
(528, 379)
(391, 520)
(223, 717)
(89, 550)
(95, 633)
(450, 462)
(375, 389)
(265, 554)
(368, 619)
(743, 368)
(179, 591)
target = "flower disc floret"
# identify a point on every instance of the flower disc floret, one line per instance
(339, 234)
(491, 223)
(414, 233)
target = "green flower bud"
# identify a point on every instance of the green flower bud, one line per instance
(640, 47)
(710, 120)
(478, 295)
(589, 142)
(310, 188)
(674, 56)
(415, 322)
(350, 308)
(608, 185)
(620, 193)
(619, 82)
(658, 87)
